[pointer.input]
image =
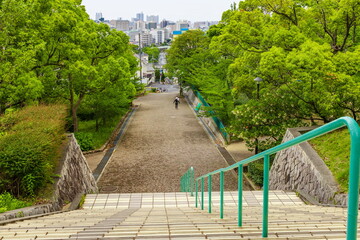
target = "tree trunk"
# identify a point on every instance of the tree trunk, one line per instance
(74, 106)
(97, 124)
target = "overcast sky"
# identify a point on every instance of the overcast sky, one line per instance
(192, 10)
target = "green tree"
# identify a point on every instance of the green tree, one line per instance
(153, 53)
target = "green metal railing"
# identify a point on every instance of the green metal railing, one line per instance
(187, 181)
(353, 195)
(217, 121)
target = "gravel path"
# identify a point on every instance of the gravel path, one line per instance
(160, 144)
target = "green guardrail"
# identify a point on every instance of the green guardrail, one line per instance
(187, 181)
(217, 121)
(353, 195)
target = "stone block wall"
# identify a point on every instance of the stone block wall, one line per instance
(75, 175)
(300, 169)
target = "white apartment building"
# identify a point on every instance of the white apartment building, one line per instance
(140, 25)
(158, 35)
(120, 25)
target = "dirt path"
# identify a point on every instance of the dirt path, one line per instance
(160, 144)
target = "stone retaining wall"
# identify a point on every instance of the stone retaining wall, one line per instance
(75, 178)
(300, 169)
(208, 121)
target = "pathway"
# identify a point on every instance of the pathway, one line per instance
(160, 144)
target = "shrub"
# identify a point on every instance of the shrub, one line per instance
(8, 203)
(29, 148)
(85, 141)
(255, 170)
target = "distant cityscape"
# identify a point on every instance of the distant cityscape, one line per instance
(145, 32)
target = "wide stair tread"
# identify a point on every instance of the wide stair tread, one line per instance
(173, 216)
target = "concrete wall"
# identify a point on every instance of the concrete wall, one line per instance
(75, 178)
(208, 121)
(300, 169)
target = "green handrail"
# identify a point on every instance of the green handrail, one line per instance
(353, 195)
(217, 121)
(187, 181)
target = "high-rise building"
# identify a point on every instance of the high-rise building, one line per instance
(151, 25)
(140, 16)
(152, 18)
(164, 23)
(98, 16)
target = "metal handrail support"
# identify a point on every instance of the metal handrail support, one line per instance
(187, 181)
(353, 195)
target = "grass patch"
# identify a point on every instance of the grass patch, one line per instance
(334, 149)
(8, 203)
(90, 139)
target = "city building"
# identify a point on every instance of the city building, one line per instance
(182, 25)
(158, 36)
(120, 25)
(152, 18)
(140, 16)
(164, 23)
(145, 38)
(140, 25)
(98, 16)
(151, 25)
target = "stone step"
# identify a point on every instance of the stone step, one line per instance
(288, 219)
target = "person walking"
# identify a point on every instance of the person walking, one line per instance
(177, 102)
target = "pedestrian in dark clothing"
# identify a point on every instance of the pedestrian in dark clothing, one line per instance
(177, 102)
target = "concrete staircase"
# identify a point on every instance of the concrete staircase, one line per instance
(172, 216)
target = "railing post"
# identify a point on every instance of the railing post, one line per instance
(266, 196)
(209, 189)
(192, 176)
(240, 189)
(196, 193)
(181, 184)
(202, 193)
(222, 194)
(353, 195)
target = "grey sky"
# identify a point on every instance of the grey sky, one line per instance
(192, 10)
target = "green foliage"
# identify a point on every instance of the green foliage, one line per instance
(85, 141)
(256, 172)
(8, 203)
(153, 53)
(29, 148)
(91, 137)
(307, 53)
(334, 149)
(52, 51)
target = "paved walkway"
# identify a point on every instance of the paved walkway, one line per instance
(176, 199)
(160, 144)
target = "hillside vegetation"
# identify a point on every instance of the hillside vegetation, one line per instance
(29, 148)
(334, 149)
